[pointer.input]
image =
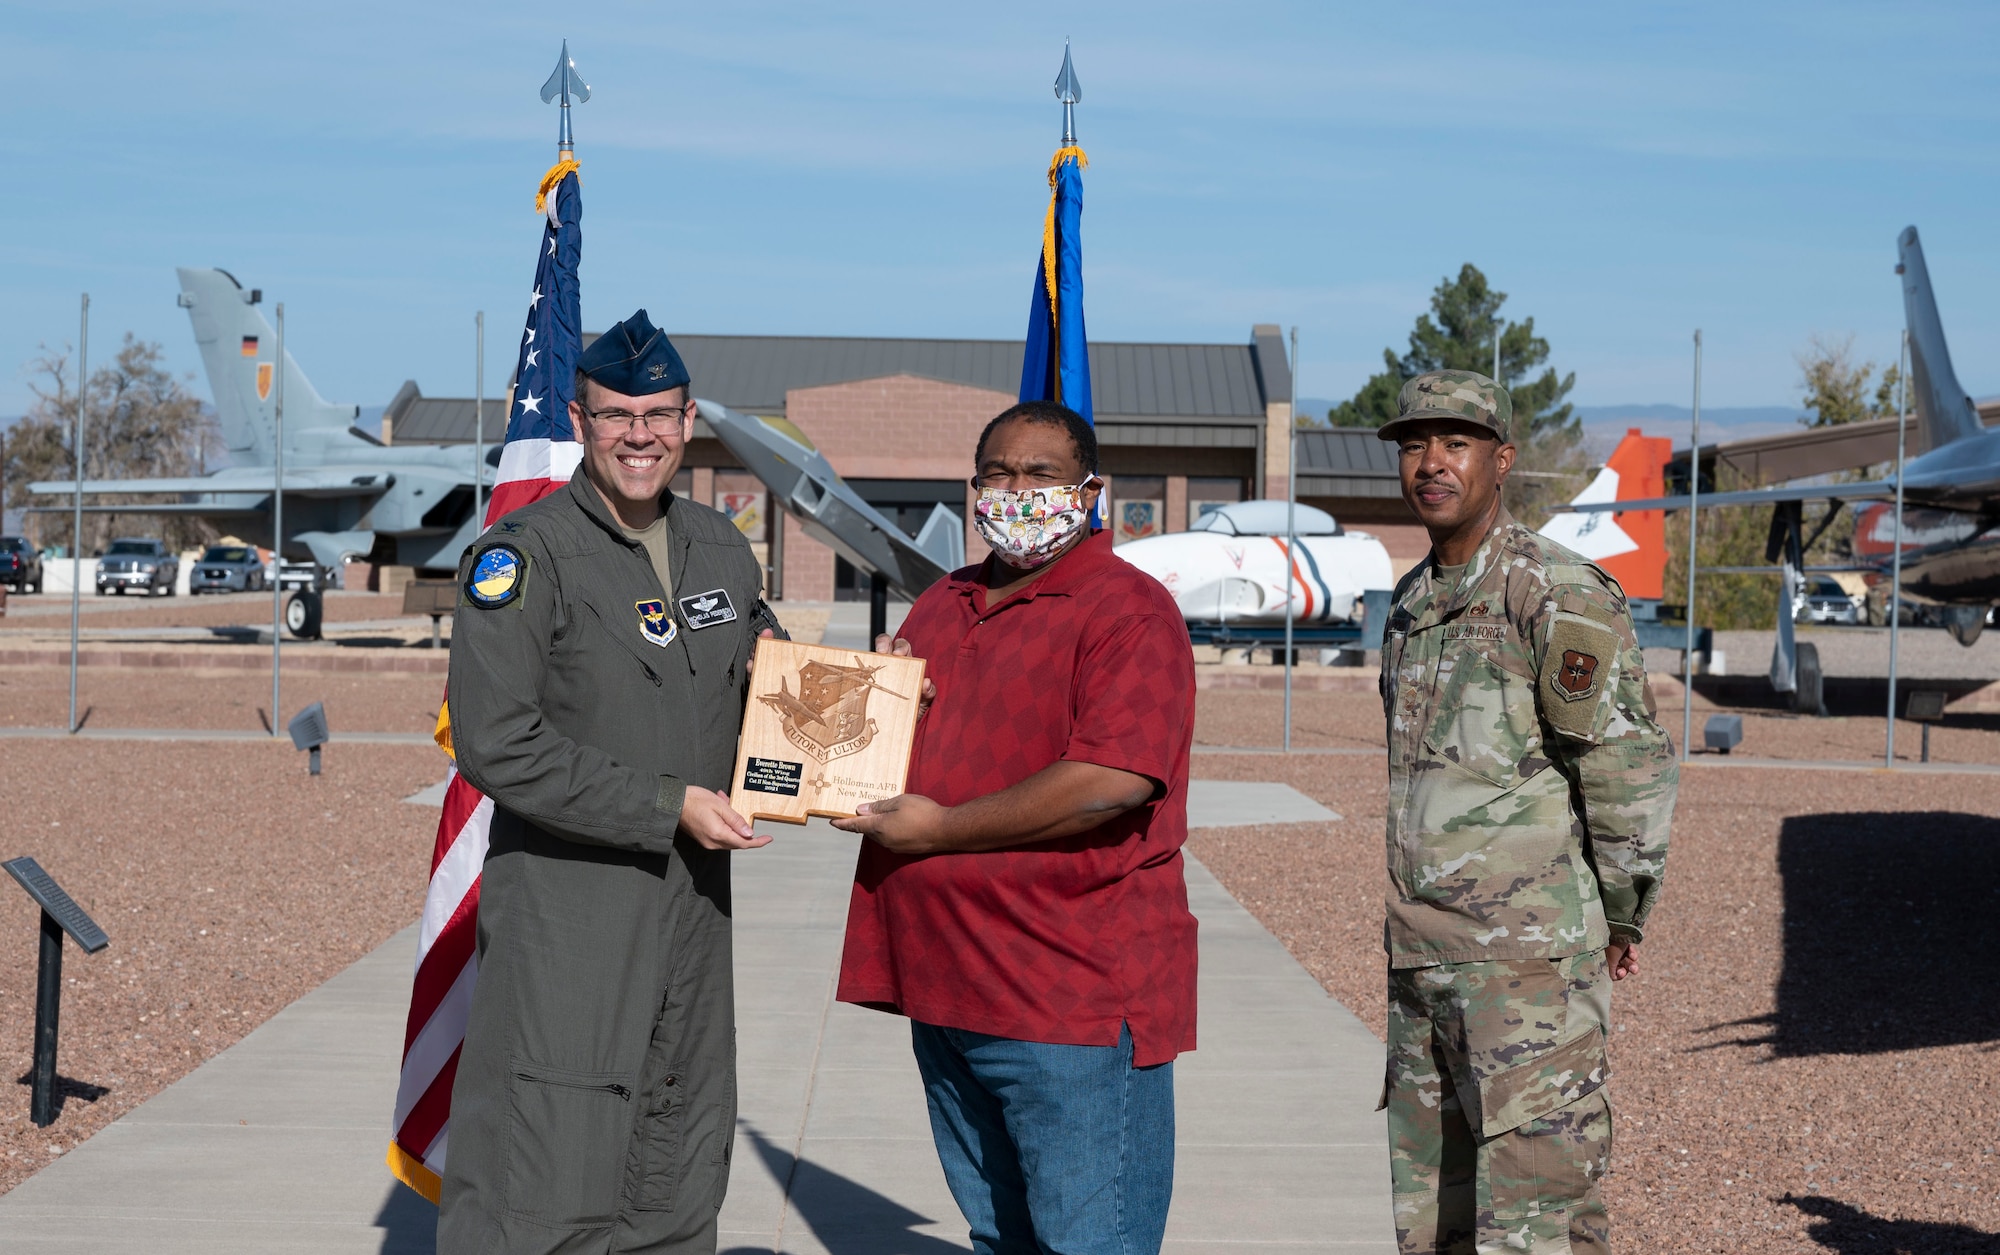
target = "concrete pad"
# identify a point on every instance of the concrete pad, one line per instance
(276, 1144)
(431, 796)
(1235, 803)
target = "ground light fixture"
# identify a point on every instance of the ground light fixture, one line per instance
(309, 731)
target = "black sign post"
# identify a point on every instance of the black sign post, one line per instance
(60, 914)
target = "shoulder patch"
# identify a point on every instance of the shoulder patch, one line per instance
(1578, 665)
(496, 577)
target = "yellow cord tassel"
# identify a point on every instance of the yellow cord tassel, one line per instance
(556, 174)
(443, 733)
(1071, 153)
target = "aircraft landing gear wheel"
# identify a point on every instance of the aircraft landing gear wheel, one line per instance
(302, 615)
(1809, 698)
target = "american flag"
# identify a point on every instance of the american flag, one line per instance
(539, 456)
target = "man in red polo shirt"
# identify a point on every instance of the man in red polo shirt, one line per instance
(1023, 903)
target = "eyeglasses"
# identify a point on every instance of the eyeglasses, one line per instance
(617, 423)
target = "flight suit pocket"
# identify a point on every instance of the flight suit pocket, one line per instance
(567, 1137)
(662, 1131)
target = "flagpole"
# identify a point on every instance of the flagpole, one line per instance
(1896, 561)
(1291, 531)
(478, 421)
(76, 525)
(278, 518)
(1694, 496)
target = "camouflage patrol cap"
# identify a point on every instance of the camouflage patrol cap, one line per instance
(1465, 395)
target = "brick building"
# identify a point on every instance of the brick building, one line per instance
(1180, 426)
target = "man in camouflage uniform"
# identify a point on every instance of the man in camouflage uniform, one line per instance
(1529, 796)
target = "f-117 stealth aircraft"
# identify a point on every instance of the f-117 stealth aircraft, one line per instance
(346, 493)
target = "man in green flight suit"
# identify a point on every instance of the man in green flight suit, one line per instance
(595, 1102)
(1530, 791)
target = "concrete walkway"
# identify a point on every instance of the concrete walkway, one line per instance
(276, 1144)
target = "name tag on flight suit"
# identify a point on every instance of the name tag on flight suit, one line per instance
(707, 609)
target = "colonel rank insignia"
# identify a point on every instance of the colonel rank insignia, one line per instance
(655, 624)
(497, 577)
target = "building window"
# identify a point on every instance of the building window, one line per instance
(1206, 493)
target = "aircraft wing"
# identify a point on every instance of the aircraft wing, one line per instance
(305, 483)
(1864, 491)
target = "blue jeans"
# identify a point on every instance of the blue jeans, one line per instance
(1051, 1150)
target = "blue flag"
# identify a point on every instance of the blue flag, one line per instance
(1056, 363)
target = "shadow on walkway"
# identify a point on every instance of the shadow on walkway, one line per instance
(1847, 1230)
(1879, 908)
(846, 1216)
(408, 1223)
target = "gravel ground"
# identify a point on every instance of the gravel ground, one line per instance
(1354, 721)
(227, 892)
(1800, 1064)
(170, 697)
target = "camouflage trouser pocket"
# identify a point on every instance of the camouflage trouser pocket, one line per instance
(1538, 1183)
(1549, 1081)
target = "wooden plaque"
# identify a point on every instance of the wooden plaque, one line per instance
(826, 730)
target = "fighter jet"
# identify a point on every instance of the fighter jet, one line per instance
(805, 484)
(346, 493)
(1951, 554)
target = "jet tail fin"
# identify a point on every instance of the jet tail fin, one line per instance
(239, 354)
(1943, 408)
(942, 538)
(1631, 546)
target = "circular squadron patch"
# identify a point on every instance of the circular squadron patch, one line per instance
(497, 576)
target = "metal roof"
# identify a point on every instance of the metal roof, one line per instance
(1157, 385)
(1346, 451)
(1157, 381)
(1346, 462)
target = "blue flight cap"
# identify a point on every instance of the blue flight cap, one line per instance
(634, 358)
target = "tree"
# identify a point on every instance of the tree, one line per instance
(1835, 387)
(1458, 334)
(139, 422)
(1460, 337)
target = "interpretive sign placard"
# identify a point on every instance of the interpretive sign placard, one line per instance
(826, 730)
(60, 914)
(61, 907)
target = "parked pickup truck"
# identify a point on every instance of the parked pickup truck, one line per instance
(20, 565)
(137, 563)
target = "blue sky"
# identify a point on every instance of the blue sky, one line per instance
(1626, 174)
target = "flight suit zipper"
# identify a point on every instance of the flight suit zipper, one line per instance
(622, 1091)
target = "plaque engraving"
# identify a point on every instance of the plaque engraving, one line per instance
(825, 730)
